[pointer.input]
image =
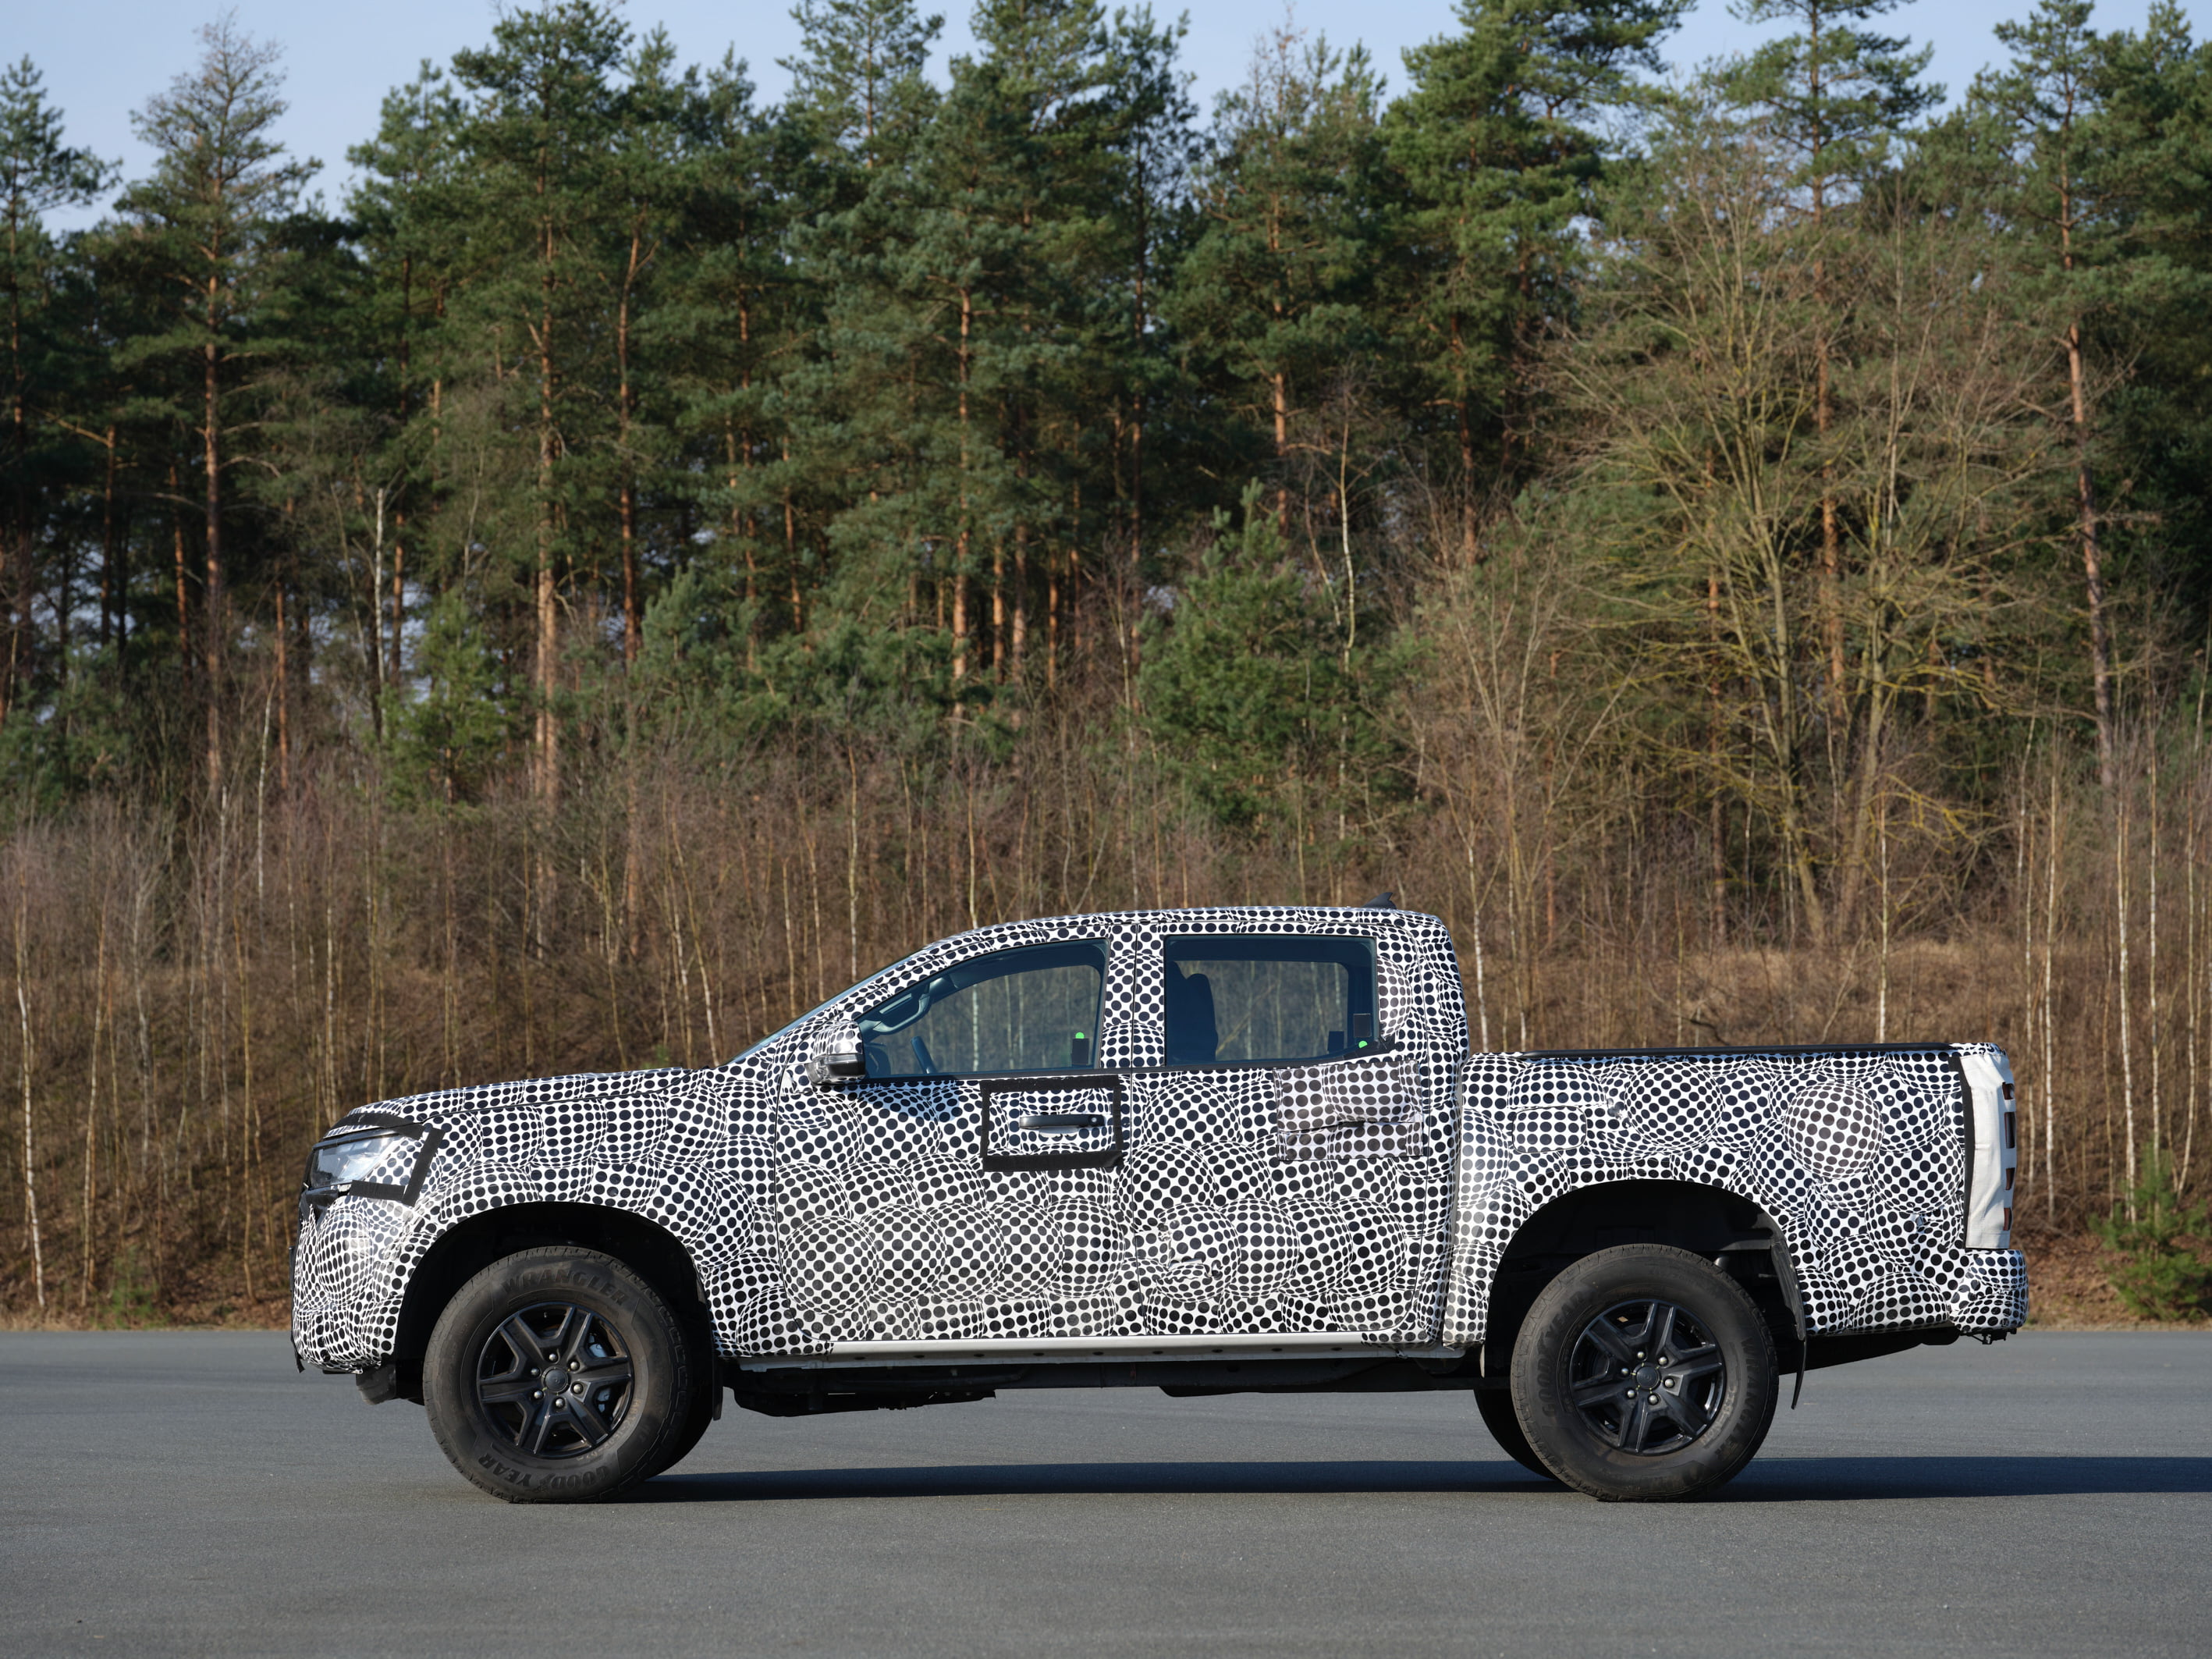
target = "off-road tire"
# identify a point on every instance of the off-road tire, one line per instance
(1565, 1353)
(1496, 1406)
(627, 1329)
(689, 1434)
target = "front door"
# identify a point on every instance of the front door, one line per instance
(962, 1190)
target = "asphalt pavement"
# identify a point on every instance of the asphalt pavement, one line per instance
(187, 1492)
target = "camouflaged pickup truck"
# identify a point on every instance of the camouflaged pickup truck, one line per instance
(1209, 1151)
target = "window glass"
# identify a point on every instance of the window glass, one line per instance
(1242, 999)
(1031, 1009)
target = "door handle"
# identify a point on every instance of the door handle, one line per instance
(1061, 1123)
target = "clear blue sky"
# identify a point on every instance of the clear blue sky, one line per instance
(102, 58)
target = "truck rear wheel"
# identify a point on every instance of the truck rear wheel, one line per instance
(1645, 1373)
(557, 1375)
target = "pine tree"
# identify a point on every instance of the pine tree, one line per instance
(1835, 96)
(1274, 297)
(741, 320)
(2150, 152)
(205, 226)
(2044, 104)
(857, 80)
(1499, 140)
(38, 173)
(404, 212)
(541, 118)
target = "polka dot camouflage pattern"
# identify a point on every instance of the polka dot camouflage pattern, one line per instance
(1188, 1199)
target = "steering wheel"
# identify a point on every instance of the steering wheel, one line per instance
(922, 1056)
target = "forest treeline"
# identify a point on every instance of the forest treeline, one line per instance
(1733, 543)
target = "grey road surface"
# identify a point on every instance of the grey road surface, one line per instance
(189, 1493)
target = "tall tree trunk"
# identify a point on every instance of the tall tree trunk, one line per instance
(15, 567)
(2092, 571)
(214, 607)
(399, 515)
(184, 589)
(625, 409)
(961, 546)
(110, 590)
(547, 599)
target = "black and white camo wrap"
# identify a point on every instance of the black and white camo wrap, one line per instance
(1249, 1199)
(1859, 1157)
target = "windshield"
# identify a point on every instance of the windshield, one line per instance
(820, 1007)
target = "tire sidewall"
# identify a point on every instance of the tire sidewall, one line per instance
(1495, 1407)
(659, 1356)
(1561, 1435)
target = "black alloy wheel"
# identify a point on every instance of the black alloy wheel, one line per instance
(1645, 1373)
(561, 1375)
(554, 1379)
(1647, 1377)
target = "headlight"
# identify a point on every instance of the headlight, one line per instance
(376, 1160)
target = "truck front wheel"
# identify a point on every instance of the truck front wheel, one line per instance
(1645, 1373)
(557, 1375)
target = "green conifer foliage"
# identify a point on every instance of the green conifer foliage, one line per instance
(1260, 691)
(1275, 296)
(541, 126)
(38, 173)
(1498, 140)
(205, 246)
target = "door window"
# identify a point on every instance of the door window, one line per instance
(1034, 1009)
(1242, 999)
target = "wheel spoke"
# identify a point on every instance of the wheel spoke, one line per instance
(585, 1411)
(1607, 1336)
(507, 1390)
(517, 1335)
(1688, 1411)
(1660, 1329)
(610, 1375)
(1635, 1423)
(1604, 1391)
(1698, 1362)
(544, 1421)
(578, 1331)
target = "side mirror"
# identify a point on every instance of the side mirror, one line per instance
(836, 1054)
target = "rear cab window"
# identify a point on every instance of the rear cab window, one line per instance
(1267, 998)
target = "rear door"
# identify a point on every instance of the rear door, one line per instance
(1280, 1179)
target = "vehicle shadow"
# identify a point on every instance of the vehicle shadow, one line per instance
(1095, 1480)
(1783, 1480)
(1829, 1479)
